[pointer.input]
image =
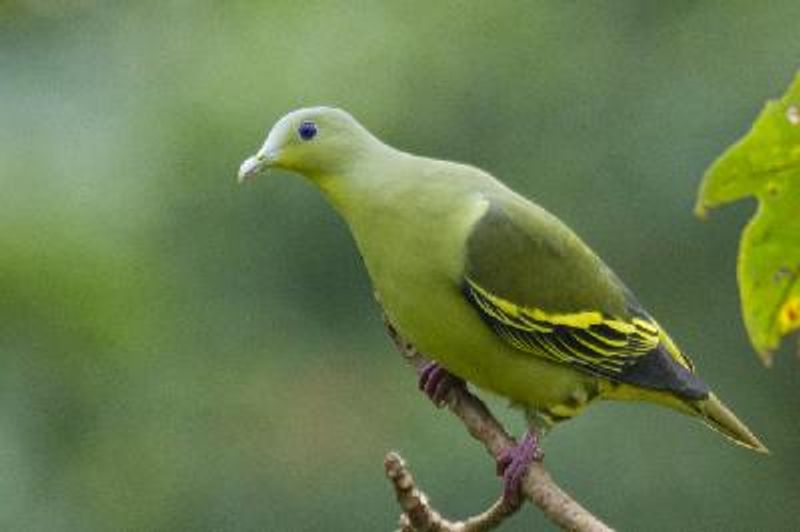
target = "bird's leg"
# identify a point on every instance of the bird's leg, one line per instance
(437, 382)
(514, 462)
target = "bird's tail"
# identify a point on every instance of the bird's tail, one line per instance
(718, 417)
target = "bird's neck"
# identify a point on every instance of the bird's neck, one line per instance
(367, 185)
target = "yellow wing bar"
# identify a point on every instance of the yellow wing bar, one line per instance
(589, 339)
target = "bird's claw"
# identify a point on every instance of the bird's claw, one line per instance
(513, 465)
(437, 382)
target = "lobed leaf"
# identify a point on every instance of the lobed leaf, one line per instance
(765, 164)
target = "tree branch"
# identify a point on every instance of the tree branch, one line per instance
(538, 486)
(418, 514)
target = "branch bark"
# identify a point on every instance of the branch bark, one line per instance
(538, 486)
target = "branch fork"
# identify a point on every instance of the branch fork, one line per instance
(538, 486)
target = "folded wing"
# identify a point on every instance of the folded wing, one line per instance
(545, 293)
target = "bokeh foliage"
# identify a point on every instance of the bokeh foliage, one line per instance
(765, 164)
(179, 353)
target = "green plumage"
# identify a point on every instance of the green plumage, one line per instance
(492, 286)
(522, 253)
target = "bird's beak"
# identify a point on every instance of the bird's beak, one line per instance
(255, 165)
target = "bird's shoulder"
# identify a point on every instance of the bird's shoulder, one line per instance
(523, 253)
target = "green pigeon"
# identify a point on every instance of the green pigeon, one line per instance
(495, 289)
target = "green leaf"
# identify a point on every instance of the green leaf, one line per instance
(765, 164)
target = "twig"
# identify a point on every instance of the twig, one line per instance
(418, 515)
(538, 486)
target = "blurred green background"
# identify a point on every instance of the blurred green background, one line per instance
(181, 353)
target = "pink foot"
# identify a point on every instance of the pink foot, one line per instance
(437, 382)
(513, 464)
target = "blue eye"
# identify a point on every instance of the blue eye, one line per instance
(307, 130)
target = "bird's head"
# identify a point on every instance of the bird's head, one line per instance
(315, 141)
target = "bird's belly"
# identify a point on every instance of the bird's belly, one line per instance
(447, 329)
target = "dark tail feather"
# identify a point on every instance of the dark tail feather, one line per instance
(717, 416)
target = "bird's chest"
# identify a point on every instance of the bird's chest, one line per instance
(410, 260)
(415, 259)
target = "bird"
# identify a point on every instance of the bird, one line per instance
(495, 289)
